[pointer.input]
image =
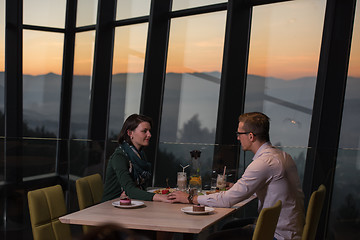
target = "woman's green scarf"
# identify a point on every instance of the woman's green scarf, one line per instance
(140, 168)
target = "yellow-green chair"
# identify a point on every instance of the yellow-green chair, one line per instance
(266, 222)
(313, 213)
(46, 205)
(89, 192)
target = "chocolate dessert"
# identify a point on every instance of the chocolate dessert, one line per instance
(198, 208)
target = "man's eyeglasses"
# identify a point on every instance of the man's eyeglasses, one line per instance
(239, 133)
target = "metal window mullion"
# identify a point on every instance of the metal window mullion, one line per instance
(233, 80)
(62, 160)
(154, 69)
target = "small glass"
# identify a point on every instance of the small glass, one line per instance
(181, 181)
(213, 180)
(221, 182)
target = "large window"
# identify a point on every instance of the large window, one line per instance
(42, 64)
(80, 148)
(191, 92)
(83, 65)
(128, 67)
(283, 61)
(345, 204)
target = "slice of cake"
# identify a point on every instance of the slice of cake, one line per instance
(198, 208)
(125, 201)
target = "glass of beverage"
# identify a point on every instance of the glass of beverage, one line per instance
(213, 180)
(221, 182)
(181, 181)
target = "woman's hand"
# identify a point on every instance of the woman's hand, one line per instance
(161, 198)
(178, 196)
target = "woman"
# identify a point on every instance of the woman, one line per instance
(128, 172)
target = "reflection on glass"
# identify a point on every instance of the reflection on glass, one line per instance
(183, 4)
(39, 157)
(85, 157)
(128, 67)
(86, 12)
(193, 79)
(81, 91)
(345, 201)
(42, 61)
(283, 62)
(132, 8)
(191, 90)
(49, 13)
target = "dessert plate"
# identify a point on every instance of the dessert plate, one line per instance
(134, 204)
(189, 210)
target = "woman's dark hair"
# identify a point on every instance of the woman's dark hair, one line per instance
(131, 123)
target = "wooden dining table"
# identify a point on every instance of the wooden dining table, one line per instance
(154, 216)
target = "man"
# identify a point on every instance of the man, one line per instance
(272, 176)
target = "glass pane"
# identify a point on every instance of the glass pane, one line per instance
(85, 157)
(39, 157)
(191, 92)
(128, 67)
(283, 61)
(132, 8)
(86, 12)
(49, 13)
(345, 202)
(83, 65)
(42, 64)
(183, 4)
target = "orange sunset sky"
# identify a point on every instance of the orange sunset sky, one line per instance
(285, 41)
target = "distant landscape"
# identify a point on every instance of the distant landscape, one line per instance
(198, 98)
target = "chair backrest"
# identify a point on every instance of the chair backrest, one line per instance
(266, 222)
(46, 205)
(313, 213)
(89, 192)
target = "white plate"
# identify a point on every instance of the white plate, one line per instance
(189, 210)
(134, 204)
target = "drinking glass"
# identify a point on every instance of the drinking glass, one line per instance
(221, 182)
(181, 181)
(213, 180)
